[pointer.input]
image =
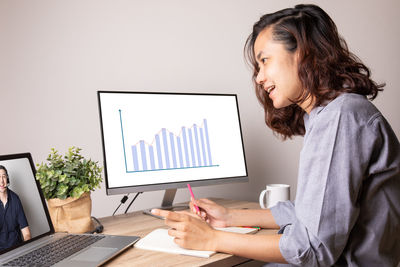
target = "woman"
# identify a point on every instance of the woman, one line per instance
(347, 208)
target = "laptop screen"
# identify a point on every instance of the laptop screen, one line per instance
(22, 191)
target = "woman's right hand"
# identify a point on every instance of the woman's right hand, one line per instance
(214, 214)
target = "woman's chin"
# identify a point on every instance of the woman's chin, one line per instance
(277, 104)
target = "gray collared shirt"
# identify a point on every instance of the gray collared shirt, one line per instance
(347, 206)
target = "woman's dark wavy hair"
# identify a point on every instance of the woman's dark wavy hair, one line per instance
(326, 66)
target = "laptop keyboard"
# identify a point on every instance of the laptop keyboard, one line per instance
(55, 251)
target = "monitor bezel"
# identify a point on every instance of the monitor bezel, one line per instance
(172, 185)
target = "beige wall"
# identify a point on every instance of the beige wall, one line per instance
(55, 55)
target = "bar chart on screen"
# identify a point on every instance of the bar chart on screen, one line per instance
(168, 150)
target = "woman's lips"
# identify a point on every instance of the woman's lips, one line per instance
(270, 88)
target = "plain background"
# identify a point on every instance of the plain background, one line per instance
(55, 55)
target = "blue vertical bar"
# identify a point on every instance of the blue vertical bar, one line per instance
(207, 142)
(164, 134)
(151, 153)
(171, 139)
(143, 152)
(135, 158)
(178, 140)
(196, 137)
(203, 148)
(185, 146)
(158, 147)
(191, 148)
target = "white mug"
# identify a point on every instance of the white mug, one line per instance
(276, 193)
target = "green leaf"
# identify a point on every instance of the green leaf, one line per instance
(62, 178)
(68, 175)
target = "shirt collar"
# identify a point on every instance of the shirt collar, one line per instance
(309, 118)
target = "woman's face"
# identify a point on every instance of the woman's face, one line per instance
(278, 73)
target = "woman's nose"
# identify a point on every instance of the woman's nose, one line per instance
(260, 79)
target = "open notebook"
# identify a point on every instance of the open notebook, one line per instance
(159, 240)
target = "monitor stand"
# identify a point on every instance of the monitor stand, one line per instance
(166, 203)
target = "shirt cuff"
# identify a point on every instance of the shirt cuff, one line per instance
(283, 213)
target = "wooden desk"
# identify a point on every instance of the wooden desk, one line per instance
(139, 224)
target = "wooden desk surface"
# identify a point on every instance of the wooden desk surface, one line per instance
(139, 224)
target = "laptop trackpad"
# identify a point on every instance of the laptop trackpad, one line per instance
(94, 254)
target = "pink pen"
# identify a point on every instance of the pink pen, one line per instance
(191, 193)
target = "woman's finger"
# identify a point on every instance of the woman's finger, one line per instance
(175, 233)
(192, 208)
(188, 213)
(173, 224)
(179, 241)
(170, 215)
(179, 221)
(203, 214)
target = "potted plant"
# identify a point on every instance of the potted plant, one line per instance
(66, 182)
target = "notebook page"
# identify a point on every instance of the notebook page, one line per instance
(159, 240)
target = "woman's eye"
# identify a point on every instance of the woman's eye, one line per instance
(264, 60)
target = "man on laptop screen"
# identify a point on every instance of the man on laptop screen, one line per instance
(14, 227)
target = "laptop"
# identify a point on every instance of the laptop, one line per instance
(95, 250)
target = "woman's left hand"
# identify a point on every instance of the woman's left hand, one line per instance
(189, 231)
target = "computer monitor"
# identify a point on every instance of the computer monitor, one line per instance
(163, 141)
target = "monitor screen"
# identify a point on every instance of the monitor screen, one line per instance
(154, 141)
